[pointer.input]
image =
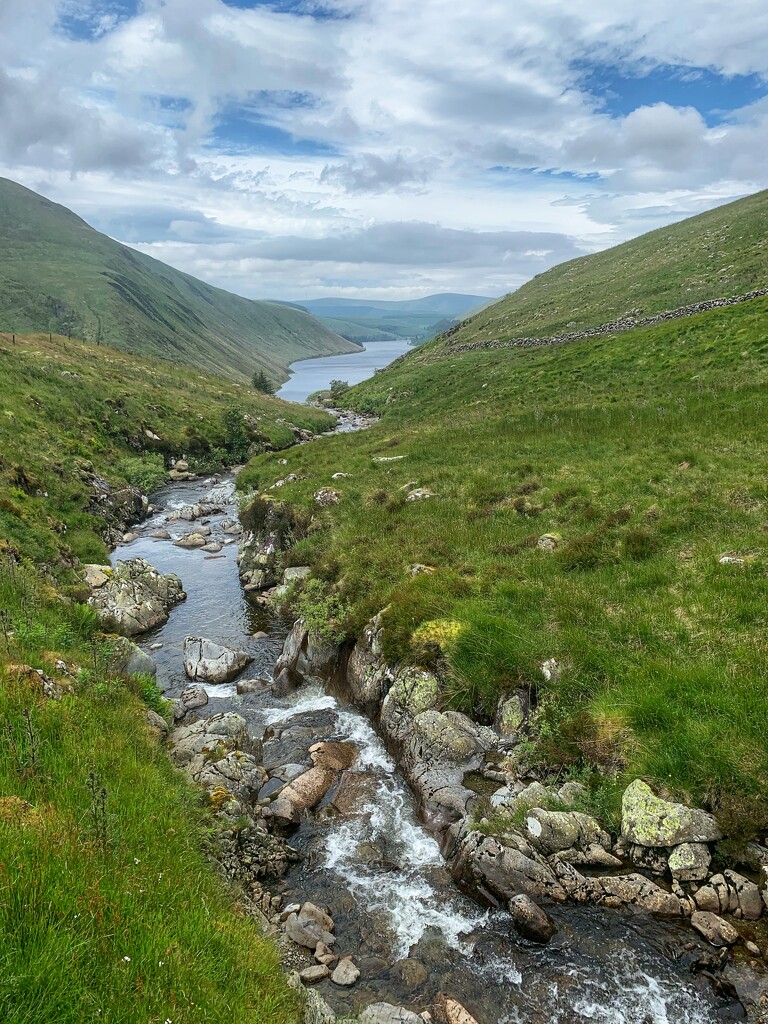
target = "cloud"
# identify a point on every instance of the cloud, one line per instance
(467, 144)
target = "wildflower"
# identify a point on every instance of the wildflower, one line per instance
(136, 860)
(127, 959)
(160, 963)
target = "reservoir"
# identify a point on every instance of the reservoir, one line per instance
(310, 375)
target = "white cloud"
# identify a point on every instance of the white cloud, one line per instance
(376, 139)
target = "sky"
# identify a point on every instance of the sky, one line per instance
(382, 148)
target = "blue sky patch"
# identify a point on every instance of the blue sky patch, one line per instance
(320, 11)
(89, 19)
(715, 96)
(247, 127)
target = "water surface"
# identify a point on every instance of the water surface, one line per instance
(310, 375)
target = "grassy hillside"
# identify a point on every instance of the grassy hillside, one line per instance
(58, 274)
(720, 253)
(642, 452)
(70, 408)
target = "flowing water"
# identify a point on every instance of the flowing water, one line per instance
(368, 859)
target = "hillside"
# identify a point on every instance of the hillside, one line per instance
(58, 274)
(722, 252)
(71, 411)
(380, 320)
(636, 454)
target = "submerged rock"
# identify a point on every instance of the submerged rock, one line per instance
(650, 821)
(206, 660)
(136, 597)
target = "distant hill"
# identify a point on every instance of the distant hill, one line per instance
(58, 274)
(381, 320)
(715, 254)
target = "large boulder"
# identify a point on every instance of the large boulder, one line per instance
(136, 597)
(504, 870)
(640, 892)
(369, 677)
(413, 692)
(689, 862)
(555, 831)
(650, 821)
(304, 659)
(210, 662)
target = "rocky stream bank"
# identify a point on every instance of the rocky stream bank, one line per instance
(312, 756)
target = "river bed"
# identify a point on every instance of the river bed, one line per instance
(411, 931)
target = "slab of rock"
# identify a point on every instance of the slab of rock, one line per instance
(192, 540)
(317, 972)
(451, 1011)
(504, 870)
(689, 862)
(387, 1013)
(97, 575)
(530, 920)
(714, 929)
(650, 821)
(333, 755)
(206, 660)
(308, 789)
(345, 974)
(636, 890)
(136, 597)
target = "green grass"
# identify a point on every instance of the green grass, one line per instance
(66, 406)
(644, 453)
(114, 917)
(58, 274)
(719, 253)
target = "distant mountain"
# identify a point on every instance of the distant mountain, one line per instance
(58, 274)
(379, 319)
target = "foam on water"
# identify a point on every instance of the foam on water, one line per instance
(372, 754)
(308, 698)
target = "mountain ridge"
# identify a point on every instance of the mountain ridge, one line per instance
(58, 274)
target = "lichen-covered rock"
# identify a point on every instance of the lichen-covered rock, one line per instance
(192, 747)
(650, 821)
(136, 597)
(369, 677)
(689, 862)
(211, 662)
(554, 831)
(413, 691)
(304, 659)
(638, 891)
(128, 658)
(510, 716)
(503, 870)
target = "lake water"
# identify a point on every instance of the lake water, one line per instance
(310, 375)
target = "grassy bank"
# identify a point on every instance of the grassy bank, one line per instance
(642, 453)
(109, 911)
(71, 408)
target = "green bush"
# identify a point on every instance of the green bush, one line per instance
(147, 472)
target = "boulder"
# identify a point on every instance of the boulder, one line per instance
(253, 685)
(193, 746)
(689, 862)
(638, 891)
(346, 974)
(96, 575)
(317, 972)
(452, 1012)
(714, 929)
(295, 573)
(750, 905)
(206, 660)
(136, 597)
(504, 870)
(555, 831)
(510, 716)
(157, 723)
(369, 677)
(413, 691)
(650, 821)
(308, 789)
(335, 756)
(192, 540)
(530, 920)
(309, 927)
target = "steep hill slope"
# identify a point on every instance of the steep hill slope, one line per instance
(636, 454)
(723, 252)
(58, 274)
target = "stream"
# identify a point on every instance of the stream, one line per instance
(368, 859)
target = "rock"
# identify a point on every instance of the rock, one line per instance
(219, 754)
(181, 466)
(452, 1012)
(650, 858)
(155, 721)
(504, 870)
(549, 542)
(750, 905)
(650, 821)
(212, 548)
(410, 973)
(192, 540)
(714, 929)
(368, 675)
(386, 1013)
(763, 884)
(333, 755)
(309, 788)
(753, 948)
(572, 793)
(156, 647)
(253, 685)
(346, 974)
(129, 538)
(419, 569)
(96, 575)
(637, 891)
(327, 496)
(315, 973)
(136, 597)
(550, 669)
(211, 662)
(295, 573)
(160, 535)
(555, 831)
(128, 659)
(413, 691)
(310, 927)
(530, 920)
(510, 716)
(689, 862)
(190, 699)
(419, 494)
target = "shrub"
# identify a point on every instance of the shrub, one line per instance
(147, 472)
(323, 613)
